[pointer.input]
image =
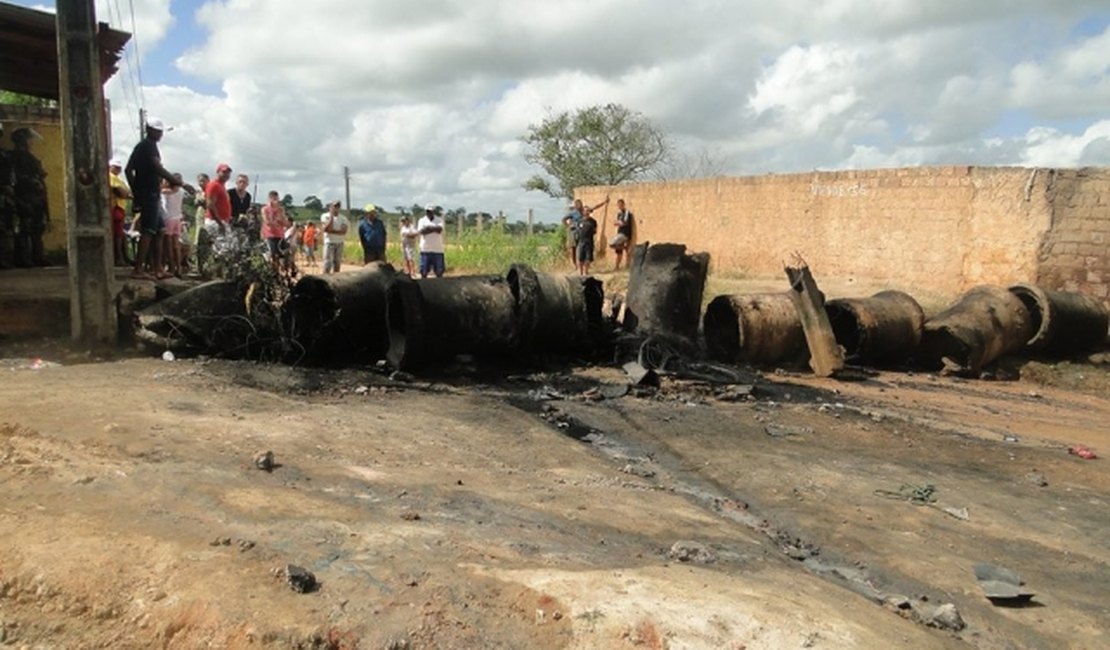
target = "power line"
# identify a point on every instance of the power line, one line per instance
(130, 103)
(138, 58)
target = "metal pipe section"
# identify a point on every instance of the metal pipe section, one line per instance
(439, 318)
(881, 330)
(985, 324)
(556, 313)
(340, 317)
(1065, 323)
(753, 328)
(665, 287)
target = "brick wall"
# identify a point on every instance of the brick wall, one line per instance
(938, 230)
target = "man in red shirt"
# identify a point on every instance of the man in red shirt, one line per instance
(218, 214)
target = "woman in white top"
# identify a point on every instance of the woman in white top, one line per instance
(172, 199)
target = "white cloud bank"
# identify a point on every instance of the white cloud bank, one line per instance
(424, 101)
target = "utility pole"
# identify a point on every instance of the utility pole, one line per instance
(347, 185)
(142, 123)
(530, 232)
(92, 308)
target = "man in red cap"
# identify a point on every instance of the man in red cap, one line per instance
(218, 214)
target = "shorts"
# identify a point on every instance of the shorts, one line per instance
(432, 262)
(408, 251)
(173, 226)
(276, 246)
(585, 251)
(149, 207)
(118, 219)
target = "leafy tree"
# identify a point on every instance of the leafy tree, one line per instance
(599, 145)
(678, 165)
(313, 202)
(401, 210)
(287, 201)
(17, 99)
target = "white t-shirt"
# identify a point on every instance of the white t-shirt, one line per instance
(339, 222)
(409, 234)
(432, 242)
(172, 202)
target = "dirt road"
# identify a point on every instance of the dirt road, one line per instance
(523, 512)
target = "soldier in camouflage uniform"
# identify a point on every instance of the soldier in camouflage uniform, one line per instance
(31, 210)
(7, 209)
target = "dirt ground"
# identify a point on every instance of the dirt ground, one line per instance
(489, 509)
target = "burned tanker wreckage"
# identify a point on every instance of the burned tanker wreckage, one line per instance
(379, 316)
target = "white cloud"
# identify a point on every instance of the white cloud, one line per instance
(425, 101)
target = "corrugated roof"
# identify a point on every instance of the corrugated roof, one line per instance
(29, 51)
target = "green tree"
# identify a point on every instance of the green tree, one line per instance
(313, 202)
(599, 145)
(287, 201)
(17, 99)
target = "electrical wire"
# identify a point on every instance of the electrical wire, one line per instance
(138, 57)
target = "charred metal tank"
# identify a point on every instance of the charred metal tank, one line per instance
(341, 316)
(210, 318)
(754, 328)
(985, 324)
(555, 313)
(665, 287)
(881, 330)
(1064, 323)
(439, 318)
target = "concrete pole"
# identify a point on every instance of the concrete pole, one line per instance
(92, 308)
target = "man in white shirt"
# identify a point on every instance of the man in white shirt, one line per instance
(430, 227)
(334, 225)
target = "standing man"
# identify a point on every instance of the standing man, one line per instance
(584, 242)
(241, 204)
(622, 241)
(274, 224)
(7, 209)
(31, 210)
(430, 228)
(334, 225)
(371, 232)
(119, 194)
(145, 173)
(217, 216)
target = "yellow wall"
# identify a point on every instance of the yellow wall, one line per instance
(49, 151)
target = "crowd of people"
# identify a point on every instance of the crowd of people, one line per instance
(581, 232)
(149, 223)
(166, 239)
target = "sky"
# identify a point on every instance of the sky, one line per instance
(425, 101)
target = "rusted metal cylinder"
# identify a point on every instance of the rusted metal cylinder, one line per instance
(1064, 323)
(208, 319)
(985, 324)
(340, 317)
(665, 287)
(881, 330)
(439, 318)
(556, 313)
(754, 328)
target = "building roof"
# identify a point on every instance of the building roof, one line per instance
(29, 51)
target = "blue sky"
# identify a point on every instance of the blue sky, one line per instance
(425, 101)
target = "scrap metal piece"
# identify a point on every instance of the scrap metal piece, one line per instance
(826, 356)
(665, 287)
(881, 330)
(210, 318)
(985, 324)
(755, 328)
(1000, 584)
(638, 375)
(1064, 323)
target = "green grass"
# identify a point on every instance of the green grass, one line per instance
(489, 251)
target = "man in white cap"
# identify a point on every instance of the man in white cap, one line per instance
(119, 195)
(145, 173)
(430, 228)
(372, 235)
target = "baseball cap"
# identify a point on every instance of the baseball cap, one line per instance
(431, 207)
(369, 207)
(114, 162)
(223, 167)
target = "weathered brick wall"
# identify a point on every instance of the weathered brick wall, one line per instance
(1074, 255)
(938, 230)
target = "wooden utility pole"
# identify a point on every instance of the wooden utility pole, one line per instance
(92, 308)
(347, 184)
(530, 232)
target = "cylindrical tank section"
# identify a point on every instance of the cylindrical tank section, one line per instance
(1064, 323)
(438, 318)
(881, 330)
(556, 313)
(985, 324)
(753, 328)
(340, 317)
(665, 287)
